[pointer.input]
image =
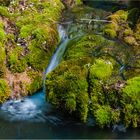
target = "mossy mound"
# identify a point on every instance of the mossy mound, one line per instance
(28, 38)
(88, 82)
(124, 27)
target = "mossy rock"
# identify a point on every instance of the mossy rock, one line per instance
(28, 38)
(66, 87)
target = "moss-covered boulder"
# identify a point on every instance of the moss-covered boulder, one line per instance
(89, 81)
(81, 77)
(28, 37)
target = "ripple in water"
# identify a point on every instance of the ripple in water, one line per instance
(32, 109)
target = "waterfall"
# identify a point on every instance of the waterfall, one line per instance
(56, 58)
(34, 108)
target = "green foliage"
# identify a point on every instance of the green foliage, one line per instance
(36, 84)
(26, 31)
(4, 11)
(131, 102)
(110, 32)
(78, 2)
(2, 35)
(28, 37)
(128, 32)
(103, 116)
(101, 69)
(2, 62)
(130, 40)
(37, 26)
(111, 29)
(115, 116)
(4, 91)
(117, 19)
(37, 56)
(132, 89)
(1, 25)
(70, 102)
(66, 87)
(118, 16)
(82, 108)
(2, 55)
(137, 31)
(17, 63)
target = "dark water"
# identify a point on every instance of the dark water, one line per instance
(16, 130)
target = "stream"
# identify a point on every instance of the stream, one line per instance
(33, 118)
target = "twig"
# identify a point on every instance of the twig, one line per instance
(96, 20)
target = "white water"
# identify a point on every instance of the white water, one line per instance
(59, 52)
(35, 108)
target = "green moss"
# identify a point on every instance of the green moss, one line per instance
(110, 32)
(103, 116)
(82, 107)
(113, 26)
(4, 11)
(132, 89)
(128, 32)
(37, 57)
(131, 102)
(71, 102)
(17, 63)
(101, 69)
(2, 62)
(66, 87)
(120, 15)
(130, 40)
(26, 31)
(35, 85)
(137, 31)
(4, 91)
(2, 35)
(115, 116)
(78, 2)
(1, 25)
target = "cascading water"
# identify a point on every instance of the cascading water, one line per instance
(35, 107)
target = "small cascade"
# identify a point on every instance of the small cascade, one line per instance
(56, 58)
(35, 108)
